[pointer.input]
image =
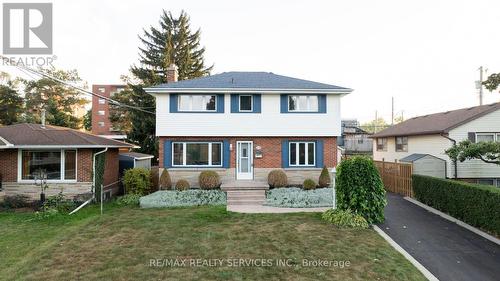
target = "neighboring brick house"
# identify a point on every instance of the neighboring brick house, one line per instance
(101, 125)
(245, 124)
(65, 155)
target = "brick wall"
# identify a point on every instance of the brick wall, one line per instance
(84, 163)
(8, 165)
(271, 149)
(111, 168)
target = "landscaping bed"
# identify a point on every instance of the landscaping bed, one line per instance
(299, 198)
(175, 198)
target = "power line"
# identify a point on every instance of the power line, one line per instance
(41, 74)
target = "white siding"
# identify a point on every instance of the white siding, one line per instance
(477, 168)
(270, 122)
(430, 144)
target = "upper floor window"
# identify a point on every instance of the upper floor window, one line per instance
(101, 89)
(303, 103)
(381, 144)
(101, 112)
(401, 144)
(101, 124)
(487, 137)
(246, 103)
(197, 103)
(302, 153)
(102, 101)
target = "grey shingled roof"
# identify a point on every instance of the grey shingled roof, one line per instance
(437, 123)
(415, 156)
(25, 135)
(248, 80)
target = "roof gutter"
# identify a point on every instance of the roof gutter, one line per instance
(455, 166)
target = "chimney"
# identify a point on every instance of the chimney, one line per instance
(43, 118)
(172, 73)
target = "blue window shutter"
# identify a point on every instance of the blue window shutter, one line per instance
(284, 103)
(234, 103)
(226, 154)
(173, 103)
(284, 154)
(167, 154)
(257, 103)
(220, 103)
(322, 103)
(319, 153)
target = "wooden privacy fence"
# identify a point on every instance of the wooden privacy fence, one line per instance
(396, 177)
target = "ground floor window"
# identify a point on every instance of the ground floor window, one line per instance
(52, 164)
(197, 154)
(494, 182)
(302, 153)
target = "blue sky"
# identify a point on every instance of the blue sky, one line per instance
(424, 53)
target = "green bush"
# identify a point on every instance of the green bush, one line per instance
(309, 184)
(128, 200)
(209, 180)
(324, 178)
(175, 198)
(165, 180)
(360, 189)
(15, 201)
(344, 218)
(58, 203)
(277, 178)
(182, 185)
(478, 205)
(137, 181)
(294, 197)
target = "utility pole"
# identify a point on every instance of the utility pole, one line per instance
(480, 85)
(375, 122)
(392, 112)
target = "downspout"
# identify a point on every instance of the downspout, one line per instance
(93, 184)
(455, 167)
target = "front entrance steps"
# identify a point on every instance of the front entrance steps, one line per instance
(245, 192)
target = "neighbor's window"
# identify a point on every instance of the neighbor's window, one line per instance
(303, 103)
(245, 103)
(100, 123)
(102, 101)
(197, 103)
(486, 181)
(486, 137)
(102, 89)
(401, 144)
(55, 164)
(101, 112)
(302, 153)
(381, 144)
(197, 154)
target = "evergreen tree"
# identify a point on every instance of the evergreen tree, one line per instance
(87, 120)
(173, 42)
(11, 103)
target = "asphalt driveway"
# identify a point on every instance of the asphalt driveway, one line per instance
(447, 250)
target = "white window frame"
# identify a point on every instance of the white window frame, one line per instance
(184, 152)
(496, 136)
(396, 144)
(101, 112)
(191, 104)
(297, 153)
(63, 161)
(251, 103)
(384, 147)
(101, 89)
(308, 103)
(100, 124)
(102, 101)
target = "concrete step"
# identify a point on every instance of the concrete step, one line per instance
(245, 202)
(249, 197)
(246, 193)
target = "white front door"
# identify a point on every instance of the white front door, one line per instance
(244, 160)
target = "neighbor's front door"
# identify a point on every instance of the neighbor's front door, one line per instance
(244, 160)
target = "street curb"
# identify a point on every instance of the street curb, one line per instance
(457, 221)
(411, 259)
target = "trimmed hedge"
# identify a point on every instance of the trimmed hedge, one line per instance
(478, 205)
(174, 198)
(293, 197)
(137, 181)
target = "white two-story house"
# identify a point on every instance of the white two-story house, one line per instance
(245, 124)
(434, 133)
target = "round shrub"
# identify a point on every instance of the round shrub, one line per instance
(137, 181)
(309, 184)
(209, 180)
(165, 180)
(182, 185)
(324, 178)
(277, 178)
(360, 189)
(344, 218)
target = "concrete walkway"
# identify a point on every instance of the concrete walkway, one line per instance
(447, 250)
(259, 209)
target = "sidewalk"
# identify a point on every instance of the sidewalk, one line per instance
(447, 250)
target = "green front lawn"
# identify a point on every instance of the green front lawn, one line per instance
(123, 243)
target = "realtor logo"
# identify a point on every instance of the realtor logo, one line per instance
(27, 28)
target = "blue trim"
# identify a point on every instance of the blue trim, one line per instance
(167, 154)
(284, 103)
(322, 103)
(173, 103)
(226, 154)
(256, 103)
(284, 154)
(220, 103)
(234, 103)
(319, 154)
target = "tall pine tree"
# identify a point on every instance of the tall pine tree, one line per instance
(173, 42)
